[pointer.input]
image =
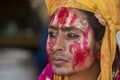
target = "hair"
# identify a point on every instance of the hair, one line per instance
(98, 28)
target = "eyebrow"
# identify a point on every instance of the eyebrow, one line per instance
(66, 28)
(52, 27)
(71, 28)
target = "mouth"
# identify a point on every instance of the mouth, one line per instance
(59, 60)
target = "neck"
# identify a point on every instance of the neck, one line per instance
(89, 74)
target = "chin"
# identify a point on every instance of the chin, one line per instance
(58, 70)
(62, 71)
(59, 73)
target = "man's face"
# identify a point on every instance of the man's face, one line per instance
(70, 42)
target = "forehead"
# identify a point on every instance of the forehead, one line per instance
(78, 12)
(65, 17)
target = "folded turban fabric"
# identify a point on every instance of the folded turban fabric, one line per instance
(110, 11)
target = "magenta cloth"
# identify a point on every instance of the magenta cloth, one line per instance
(46, 73)
(118, 75)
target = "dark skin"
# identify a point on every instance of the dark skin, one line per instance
(71, 46)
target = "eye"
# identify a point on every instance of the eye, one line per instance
(52, 34)
(72, 35)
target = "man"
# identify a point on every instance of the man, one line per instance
(74, 40)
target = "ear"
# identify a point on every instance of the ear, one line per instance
(98, 49)
(98, 46)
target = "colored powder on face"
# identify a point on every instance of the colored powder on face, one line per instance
(63, 14)
(52, 20)
(87, 30)
(80, 53)
(48, 56)
(73, 19)
(49, 48)
(75, 47)
(85, 34)
(50, 44)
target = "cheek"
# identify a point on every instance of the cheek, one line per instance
(80, 52)
(48, 56)
(50, 43)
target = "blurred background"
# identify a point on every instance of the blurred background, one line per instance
(23, 34)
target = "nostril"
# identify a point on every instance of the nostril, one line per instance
(59, 47)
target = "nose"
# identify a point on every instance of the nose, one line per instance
(59, 44)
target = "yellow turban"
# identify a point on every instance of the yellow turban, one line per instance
(110, 11)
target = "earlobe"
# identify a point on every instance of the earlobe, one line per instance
(98, 51)
(98, 46)
(98, 55)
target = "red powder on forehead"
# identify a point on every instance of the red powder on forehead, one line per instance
(63, 14)
(73, 19)
(52, 20)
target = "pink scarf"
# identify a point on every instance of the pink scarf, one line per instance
(47, 73)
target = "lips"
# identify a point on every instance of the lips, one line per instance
(59, 60)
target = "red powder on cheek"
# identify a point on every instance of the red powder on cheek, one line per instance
(50, 44)
(73, 19)
(49, 48)
(80, 53)
(79, 57)
(63, 14)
